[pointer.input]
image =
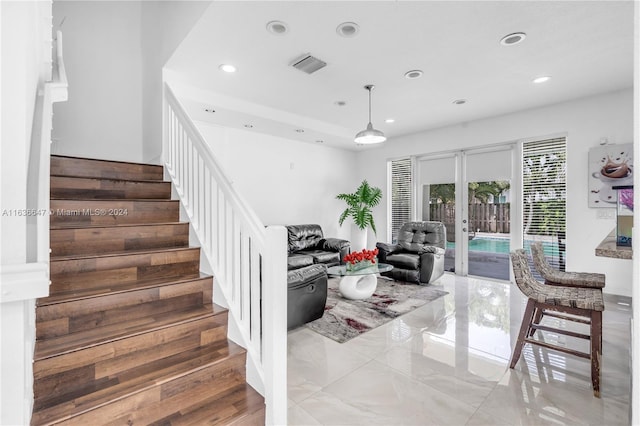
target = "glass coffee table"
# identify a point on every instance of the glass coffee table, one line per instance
(360, 284)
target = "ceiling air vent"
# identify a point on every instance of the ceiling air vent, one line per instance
(308, 64)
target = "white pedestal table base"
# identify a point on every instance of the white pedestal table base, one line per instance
(357, 287)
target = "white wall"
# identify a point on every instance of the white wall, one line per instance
(114, 53)
(164, 25)
(103, 58)
(585, 121)
(286, 182)
(25, 49)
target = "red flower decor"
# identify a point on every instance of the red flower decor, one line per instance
(359, 256)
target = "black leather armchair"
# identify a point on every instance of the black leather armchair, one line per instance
(308, 246)
(419, 254)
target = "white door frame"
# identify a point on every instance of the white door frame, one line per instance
(462, 193)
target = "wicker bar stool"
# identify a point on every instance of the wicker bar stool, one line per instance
(570, 279)
(584, 305)
(553, 276)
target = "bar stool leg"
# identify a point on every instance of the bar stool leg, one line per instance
(596, 350)
(524, 330)
(537, 317)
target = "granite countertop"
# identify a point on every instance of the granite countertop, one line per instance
(608, 248)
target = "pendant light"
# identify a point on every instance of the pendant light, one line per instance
(370, 135)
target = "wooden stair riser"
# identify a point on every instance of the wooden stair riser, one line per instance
(93, 368)
(83, 167)
(105, 240)
(210, 408)
(89, 313)
(95, 272)
(98, 188)
(211, 369)
(163, 400)
(112, 212)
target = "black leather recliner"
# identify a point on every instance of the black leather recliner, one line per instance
(419, 254)
(307, 294)
(309, 256)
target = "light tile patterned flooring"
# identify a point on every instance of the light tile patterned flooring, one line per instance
(446, 363)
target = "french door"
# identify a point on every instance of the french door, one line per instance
(471, 192)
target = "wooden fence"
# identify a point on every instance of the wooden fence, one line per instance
(492, 218)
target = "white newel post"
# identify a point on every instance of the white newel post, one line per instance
(275, 325)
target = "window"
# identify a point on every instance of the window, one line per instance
(401, 184)
(544, 196)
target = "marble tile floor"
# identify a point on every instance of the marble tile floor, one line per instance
(446, 363)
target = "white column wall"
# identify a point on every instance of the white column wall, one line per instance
(635, 321)
(585, 121)
(25, 33)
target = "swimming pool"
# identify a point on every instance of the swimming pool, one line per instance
(502, 245)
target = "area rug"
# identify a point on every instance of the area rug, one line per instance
(345, 319)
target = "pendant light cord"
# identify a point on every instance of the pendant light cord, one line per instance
(369, 105)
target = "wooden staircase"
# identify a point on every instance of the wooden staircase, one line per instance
(129, 333)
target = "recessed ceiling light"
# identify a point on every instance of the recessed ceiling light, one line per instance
(300, 130)
(277, 27)
(390, 120)
(228, 68)
(210, 110)
(460, 101)
(249, 126)
(340, 103)
(511, 39)
(541, 79)
(413, 74)
(348, 29)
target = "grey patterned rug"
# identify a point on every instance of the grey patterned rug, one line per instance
(345, 319)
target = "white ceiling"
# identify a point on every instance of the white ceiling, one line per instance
(586, 47)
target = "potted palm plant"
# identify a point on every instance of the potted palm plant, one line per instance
(359, 208)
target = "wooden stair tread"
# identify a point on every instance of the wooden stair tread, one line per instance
(240, 405)
(115, 179)
(100, 291)
(101, 188)
(114, 200)
(122, 253)
(115, 225)
(137, 380)
(74, 342)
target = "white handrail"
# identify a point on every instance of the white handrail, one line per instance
(247, 259)
(38, 179)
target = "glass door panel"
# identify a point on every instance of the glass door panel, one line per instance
(489, 229)
(439, 204)
(437, 199)
(488, 184)
(469, 191)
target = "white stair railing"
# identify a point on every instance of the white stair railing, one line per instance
(22, 283)
(30, 280)
(248, 259)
